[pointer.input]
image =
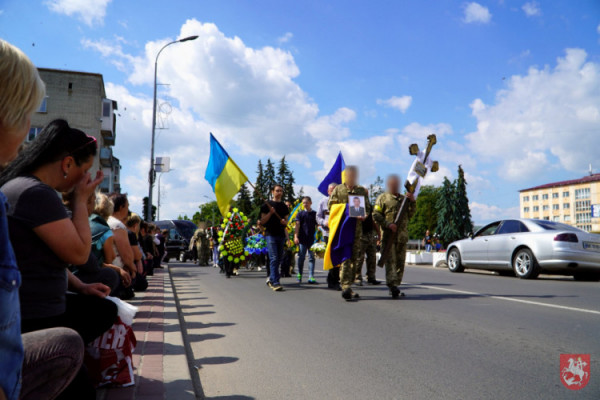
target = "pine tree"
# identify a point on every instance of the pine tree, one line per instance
(289, 187)
(463, 212)
(446, 205)
(244, 202)
(426, 216)
(285, 178)
(260, 190)
(301, 192)
(269, 175)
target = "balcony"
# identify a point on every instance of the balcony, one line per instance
(106, 156)
(109, 121)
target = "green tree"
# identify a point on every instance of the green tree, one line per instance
(426, 216)
(446, 205)
(244, 202)
(260, 187)
(285, 177)
(300, 193)
(209, 212)
(463, 212)
(145, 211)
(183, 217)
(269, 176)
(375, 189)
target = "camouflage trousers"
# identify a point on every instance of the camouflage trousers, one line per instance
(349, 267)
(394, 267)
(203, 254)
(369, 248)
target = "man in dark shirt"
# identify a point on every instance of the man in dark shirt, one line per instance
(273, 218)
(306, 224)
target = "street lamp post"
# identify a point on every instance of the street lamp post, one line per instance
(151, 174)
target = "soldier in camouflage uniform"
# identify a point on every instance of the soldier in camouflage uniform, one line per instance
(340, 196)
(202, 246)
(368, 241)
(386, 208)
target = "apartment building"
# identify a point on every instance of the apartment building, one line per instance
(570, 202)
(80, 98)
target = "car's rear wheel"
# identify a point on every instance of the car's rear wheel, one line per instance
(454, 261)
(587, 277)
(525, 264)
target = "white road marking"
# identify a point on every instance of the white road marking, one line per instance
(534, 303)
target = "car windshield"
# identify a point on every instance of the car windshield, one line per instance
(186, 229)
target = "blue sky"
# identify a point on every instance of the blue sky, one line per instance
(512, 88)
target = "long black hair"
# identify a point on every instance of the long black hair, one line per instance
(56, 141)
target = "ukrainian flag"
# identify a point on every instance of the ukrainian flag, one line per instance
(223, 174)
(335, 175)
(294, 212)
(342, 229)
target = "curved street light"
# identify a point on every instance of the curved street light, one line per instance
(151, 174)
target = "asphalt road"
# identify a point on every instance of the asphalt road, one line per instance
(454, 336)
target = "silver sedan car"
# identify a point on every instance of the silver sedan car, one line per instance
(527, 247)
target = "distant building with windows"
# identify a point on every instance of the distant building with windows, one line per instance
(80, 99)
(569, 202)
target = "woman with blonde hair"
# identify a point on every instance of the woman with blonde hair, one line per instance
(47, 359)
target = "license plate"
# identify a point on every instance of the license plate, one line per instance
(591, 246)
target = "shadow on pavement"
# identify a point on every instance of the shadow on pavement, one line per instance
(215, 361)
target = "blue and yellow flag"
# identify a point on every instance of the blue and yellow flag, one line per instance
(335, 175)
(223, 174)
(342, 229)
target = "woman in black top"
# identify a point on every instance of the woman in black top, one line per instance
(46, 240)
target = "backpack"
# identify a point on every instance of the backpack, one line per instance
(100, 232)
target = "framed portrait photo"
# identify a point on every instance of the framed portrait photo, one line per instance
(356, 206)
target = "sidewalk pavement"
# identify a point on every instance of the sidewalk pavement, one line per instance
(159, 360)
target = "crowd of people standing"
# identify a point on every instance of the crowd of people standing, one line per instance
(64, 247)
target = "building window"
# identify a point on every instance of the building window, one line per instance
(586, 228)
(581, 218)
(566, 194)
(546, 218)
(43, 106)
(566, 206)
(545, 208)
(567, 218)
(106, 108)
(582, 193)
(583, 205)
(555, 195)
(536, 208)
(526, 209)
(556, 218)
(545, 196)
(535, 197)
(525, 198)
(33, 132)
(556, 206)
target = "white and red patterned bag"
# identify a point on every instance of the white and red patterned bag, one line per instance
(109, 358)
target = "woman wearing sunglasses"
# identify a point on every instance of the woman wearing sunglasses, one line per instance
(46, 241)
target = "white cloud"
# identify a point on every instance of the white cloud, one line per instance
(532, 9)
(91, 12)
(246, 96)
(476, 13)
(549, 114)
(285, 38)
(484, 213)
(399, 103)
